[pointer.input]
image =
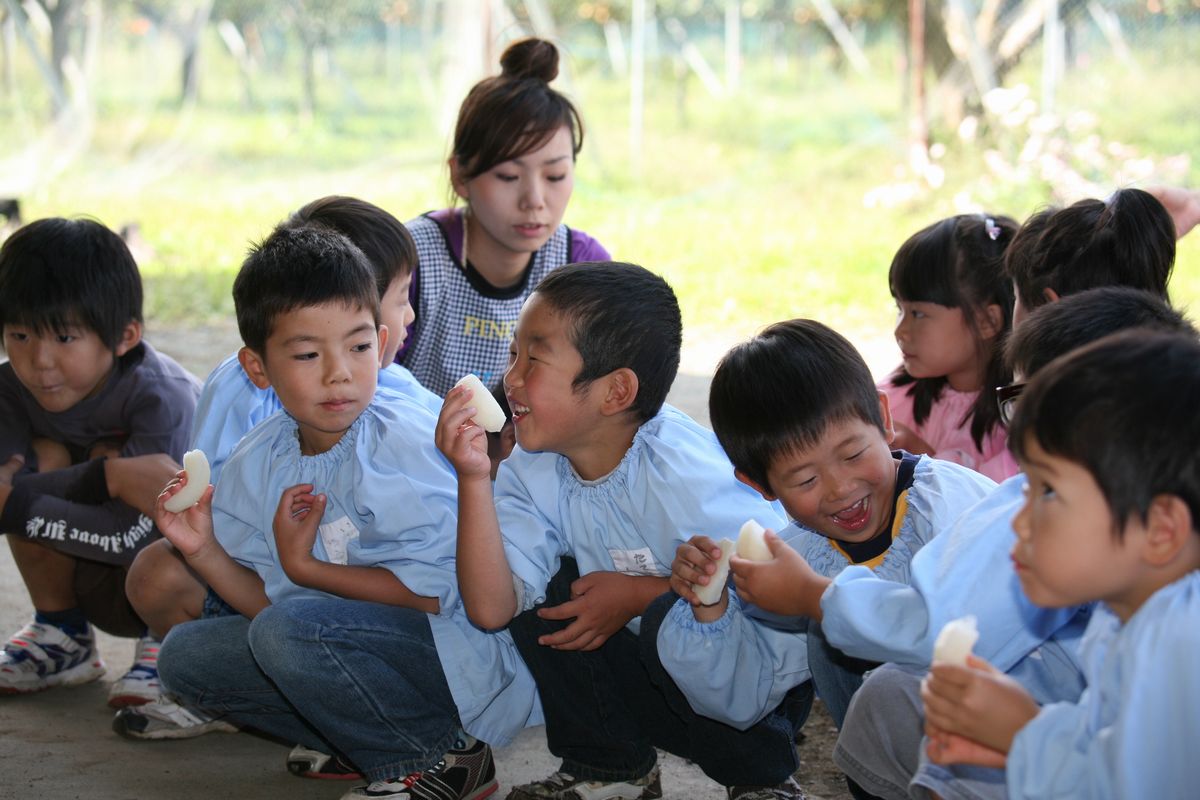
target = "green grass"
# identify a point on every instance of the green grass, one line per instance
(752, 206)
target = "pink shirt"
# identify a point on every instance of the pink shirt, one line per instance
(949, 436)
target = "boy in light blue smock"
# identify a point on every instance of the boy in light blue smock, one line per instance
(1107, 440)
(797, 412)
(160, 587)
(574, 546)
(968, 570)
(346, 590)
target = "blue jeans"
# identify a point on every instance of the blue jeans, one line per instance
(359, 679)
(607, 709)
(835, 675)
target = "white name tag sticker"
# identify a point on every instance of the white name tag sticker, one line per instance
(634, 562)
(335, 536)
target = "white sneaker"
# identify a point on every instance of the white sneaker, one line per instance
(42, 656)
(167, 719)
(140, 684)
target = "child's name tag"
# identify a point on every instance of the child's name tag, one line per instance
(335, 537)
(634, 562)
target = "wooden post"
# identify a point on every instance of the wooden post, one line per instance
(733, 45)
(1052, 56)
(918, 126)
(637, 85)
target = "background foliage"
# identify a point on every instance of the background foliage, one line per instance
(775, 185)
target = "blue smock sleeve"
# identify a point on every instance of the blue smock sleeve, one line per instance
(967, 569)
(527, 491)
(736, 669)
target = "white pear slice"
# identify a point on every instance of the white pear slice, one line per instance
(195, 464)
(716, 582)
(488, 414)
(750, 542)
(954, 643)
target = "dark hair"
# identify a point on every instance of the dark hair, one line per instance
(1022, 252)
(1127, 240)
(620, 315)
(299, 268)
(1123, 408)
(1058, 328)
(57, 272)
(778, 393)
(515, 112)
(383, 239)
(959, 263)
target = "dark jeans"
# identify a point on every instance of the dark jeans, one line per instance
(608, 708)
(835, 675)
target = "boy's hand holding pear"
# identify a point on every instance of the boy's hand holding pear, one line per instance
(460, 440)
(190, 530)
(785, 584)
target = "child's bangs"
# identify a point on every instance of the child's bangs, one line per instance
(43, 318)
(925, 269)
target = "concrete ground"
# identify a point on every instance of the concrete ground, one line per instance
(59, 744)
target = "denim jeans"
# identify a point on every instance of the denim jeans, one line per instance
(607, 709)
(359, 679)
(835, 675)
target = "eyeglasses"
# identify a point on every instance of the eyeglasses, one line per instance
(1006, 398)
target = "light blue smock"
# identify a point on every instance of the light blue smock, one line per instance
(230, 405)
(738, 668)
(1134, 731)
(392, 503)
(674, 482)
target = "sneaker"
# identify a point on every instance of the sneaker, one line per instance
(788, 790)
(561, 786)
(140, 684)
(42, 656)
(305, 763)
(167, 719)
(465, 773)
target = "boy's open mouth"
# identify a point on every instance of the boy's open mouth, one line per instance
(518, 411)
(855, 517)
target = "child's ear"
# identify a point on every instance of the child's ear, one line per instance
(1050, 295)
(889, 428)
(383, 340)
(457, 179)
(991, 321)
(129, 338)
(621, 389)
(765, 492)
(1168, 530)
(255, 367)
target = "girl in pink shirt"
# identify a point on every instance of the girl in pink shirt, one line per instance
(955, 307)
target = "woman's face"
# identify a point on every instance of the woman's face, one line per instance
(518, 204)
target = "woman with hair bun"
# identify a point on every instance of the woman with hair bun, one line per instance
(513, 166)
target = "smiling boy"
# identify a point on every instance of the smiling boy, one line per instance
(800, 418)
(572, 556)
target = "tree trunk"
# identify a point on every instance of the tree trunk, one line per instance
(918, 126)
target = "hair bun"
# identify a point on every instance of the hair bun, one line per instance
(531, 58)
